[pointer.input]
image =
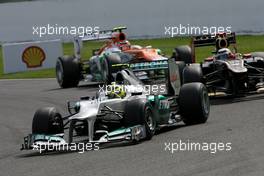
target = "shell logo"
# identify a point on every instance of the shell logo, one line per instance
(33, 56)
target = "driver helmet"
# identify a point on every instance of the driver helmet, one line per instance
(116, 91)
(124, 45)
(224, 54)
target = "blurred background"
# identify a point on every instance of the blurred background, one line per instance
(144, 18)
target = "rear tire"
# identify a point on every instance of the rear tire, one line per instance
(183, 53)
(149, 122)
(47, 121)
(139, 112)
(68, 71)
(194, 103)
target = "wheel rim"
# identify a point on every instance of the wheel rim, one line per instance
(56, 121)
(59, 72)
(149, 120)
(57, 124)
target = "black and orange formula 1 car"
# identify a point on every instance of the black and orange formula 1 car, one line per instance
(226, 71)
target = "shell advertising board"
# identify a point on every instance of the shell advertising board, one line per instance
(28, 56)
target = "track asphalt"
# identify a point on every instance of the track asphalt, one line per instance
(239, 122)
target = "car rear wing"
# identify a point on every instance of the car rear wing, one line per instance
(149, 65)
(172, 78)
(221, 40)
(99, 35)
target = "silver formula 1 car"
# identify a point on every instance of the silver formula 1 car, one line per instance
(131, 109)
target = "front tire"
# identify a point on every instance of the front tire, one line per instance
(192, 73)
(194, 103)
(183, 53)
(47, 121)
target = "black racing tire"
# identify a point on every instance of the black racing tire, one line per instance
(258, 54)
(68, 71)
(106, 72)
(107, 69)
(181, 65)
(47, 121)
(149, 122)
(138, 112)
(183, 53)
(194, 103)
(192, 73)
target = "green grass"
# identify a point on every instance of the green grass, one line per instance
(245, 44)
